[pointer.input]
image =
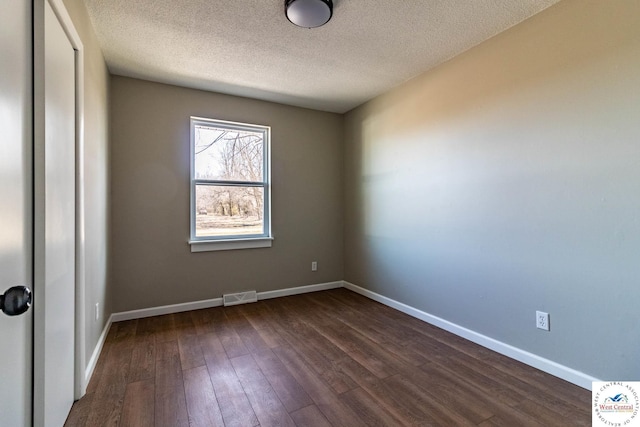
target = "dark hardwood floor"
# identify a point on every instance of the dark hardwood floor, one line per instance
(331, 358)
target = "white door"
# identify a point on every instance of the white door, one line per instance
(54, 216)
(48, 165)
(15, 207)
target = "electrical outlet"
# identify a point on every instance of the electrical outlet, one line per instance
(314, 266)
(97, 311)
(542, 320)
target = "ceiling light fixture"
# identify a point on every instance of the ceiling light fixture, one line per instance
(308, 13)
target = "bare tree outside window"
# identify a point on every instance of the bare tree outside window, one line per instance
(229, 179)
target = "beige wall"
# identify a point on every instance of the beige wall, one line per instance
(95, 172)
(507, 181)
(151, 262)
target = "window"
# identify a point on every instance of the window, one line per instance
(230, 189)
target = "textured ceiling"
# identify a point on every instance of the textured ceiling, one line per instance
(249, 48)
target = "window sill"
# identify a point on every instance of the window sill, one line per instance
(231, 244)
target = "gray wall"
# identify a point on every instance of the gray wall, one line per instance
(506, 181)
(151, 262)
(96, 176)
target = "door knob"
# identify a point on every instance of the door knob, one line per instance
(15, 300)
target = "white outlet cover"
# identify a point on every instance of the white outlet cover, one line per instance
(542, 320)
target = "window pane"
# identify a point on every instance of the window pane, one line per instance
(230, 155)
(229, 211)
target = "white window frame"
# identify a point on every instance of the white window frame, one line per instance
(213, 243)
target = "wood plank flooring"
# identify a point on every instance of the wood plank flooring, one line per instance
(331, 358)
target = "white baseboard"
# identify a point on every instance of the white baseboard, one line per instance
(576, 377)
(166, 309)
(91, 366)
(217, 302)
(299, 290)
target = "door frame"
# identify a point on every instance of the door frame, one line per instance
(80, 373)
